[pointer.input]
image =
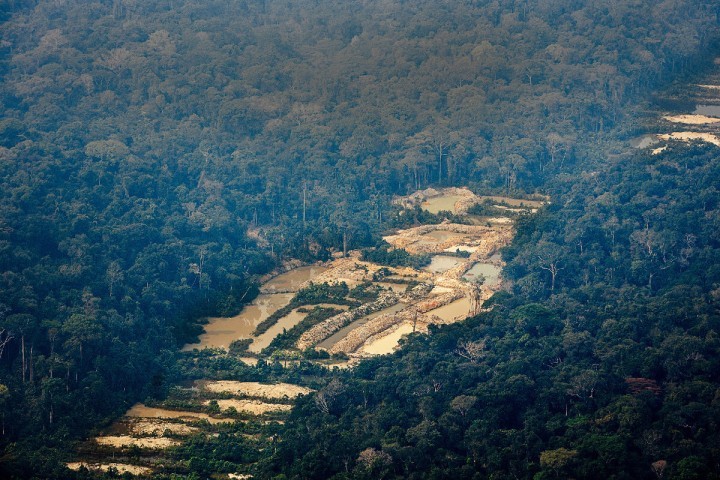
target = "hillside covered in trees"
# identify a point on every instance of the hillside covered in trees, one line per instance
(615, 374)
(157, 157)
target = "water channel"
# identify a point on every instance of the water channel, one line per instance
(343, 332)
(220, 332)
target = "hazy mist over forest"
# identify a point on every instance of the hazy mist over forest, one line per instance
(171, 169)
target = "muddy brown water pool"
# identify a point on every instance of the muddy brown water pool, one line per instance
(457, 310)
(388, 343)
(441, 236)
(442, 263)
(286, 323)
(343, 332)
(220, 332)
(292, 280)
(442, 203)
(488, 270)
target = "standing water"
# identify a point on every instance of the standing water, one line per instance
(490, 272)
(443, 203)
(220, 332)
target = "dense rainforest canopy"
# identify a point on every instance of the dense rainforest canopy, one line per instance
(155, 157)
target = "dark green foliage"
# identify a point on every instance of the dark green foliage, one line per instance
(238, 347)
(289, 338)
(314, 294)
(394, 257)
(606, 376)
(155, 157)
(323, 293)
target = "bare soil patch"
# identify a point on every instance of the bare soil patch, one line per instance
(690, 136)
(122, 441)
(692, 119)
(140, 410)
(156, 428)
(104, 467)
(256, 407)
(277, 391)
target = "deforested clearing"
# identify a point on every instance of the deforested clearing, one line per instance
(692, 119)
(121, 441)
(157, 428)
(104, 467)
(277, 391)
(254, 407)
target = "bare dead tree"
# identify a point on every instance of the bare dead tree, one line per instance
(5, 337)
(473, 351)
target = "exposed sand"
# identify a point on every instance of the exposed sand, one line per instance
(256, 407)
(120, 441)
(459, 200)
(140, 410)
(329, 342)
(438, 238)
(658, 151)
(277, 391)
(711, 87)
(120, 467)
(692, 119)
(158, 428)
(689, 136)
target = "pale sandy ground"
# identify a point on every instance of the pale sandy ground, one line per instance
(711, 87)
(158, 428)
(140, 410)
(692, 119)
(255, 407)
(119, 441)
(254, 389)
(120, 467)
(688, 136)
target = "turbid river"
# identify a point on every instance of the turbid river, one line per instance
(220, 332)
